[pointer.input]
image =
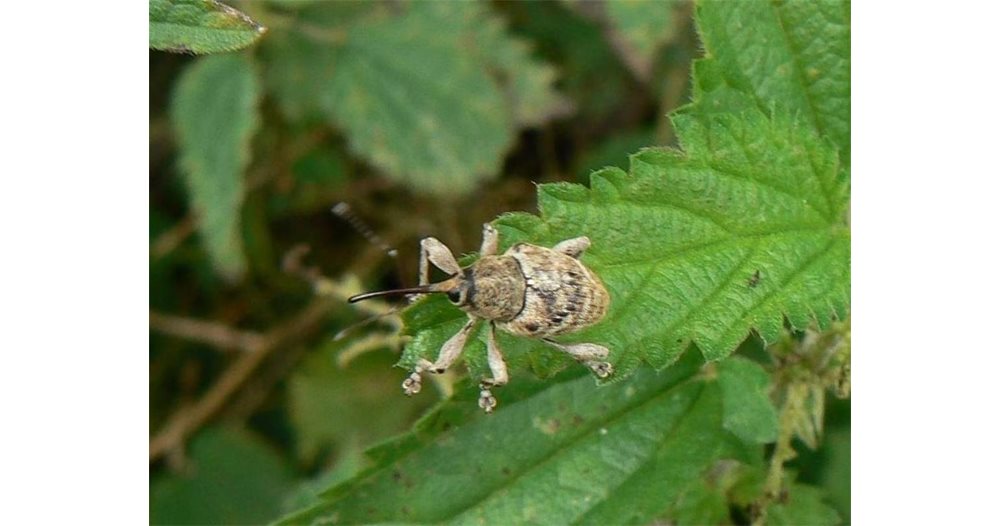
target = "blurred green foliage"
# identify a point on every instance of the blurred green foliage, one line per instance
(199, 26)
(234, 478)
(431, 118)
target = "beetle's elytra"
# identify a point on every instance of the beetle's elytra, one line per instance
(528, 291)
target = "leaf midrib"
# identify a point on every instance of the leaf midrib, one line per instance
(243, 29)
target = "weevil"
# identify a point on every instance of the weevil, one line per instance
(528, 290)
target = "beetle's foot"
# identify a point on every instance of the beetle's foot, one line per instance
(602, 369)
(411, 385)
(486, 399)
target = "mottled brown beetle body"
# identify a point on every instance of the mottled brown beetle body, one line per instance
(528, 291)
(561, 294)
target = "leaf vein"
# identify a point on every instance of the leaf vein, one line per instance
(788, 279)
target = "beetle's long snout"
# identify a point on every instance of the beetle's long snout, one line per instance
(426, 289)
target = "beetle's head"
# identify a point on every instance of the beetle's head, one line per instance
(491, 288)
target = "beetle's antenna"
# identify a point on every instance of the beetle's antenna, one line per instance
(426, 289)
(343, 211)
(374, 317)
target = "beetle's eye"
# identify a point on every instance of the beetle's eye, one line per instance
(454, 296)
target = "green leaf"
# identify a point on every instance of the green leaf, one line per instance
(619, 454)
(836, 477)
(749, 413)
(215, 116)
(526, 84)
(803, 505)
(789, 54)
(644, 26)
(590, 73)
(699, 504)
(199, 26)
(430, 93)
(829, 466)
(301, 61)
(744, 227)
(232, 478)
(328, 399)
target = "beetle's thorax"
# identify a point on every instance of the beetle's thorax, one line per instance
(495, 288)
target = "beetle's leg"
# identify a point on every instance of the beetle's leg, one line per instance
(490, 241)
(589, 354)
(573, 247)
(499, 369)
(434, 251)
(450, 351)
(452, 348)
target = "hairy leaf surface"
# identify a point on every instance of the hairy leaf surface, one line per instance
(215, 114)
(199, 26)
(617, 455)
(790, 54)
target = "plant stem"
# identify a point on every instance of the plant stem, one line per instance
(186, 421)
(795, 394)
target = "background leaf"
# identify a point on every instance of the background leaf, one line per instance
(232, 478)
(199, 26)
(590, 72)
(750, 414)
(430, 93)
(687, 247)
(215, 114)
(328, 399)
(645, 24)
(803, 505)
(666, 429)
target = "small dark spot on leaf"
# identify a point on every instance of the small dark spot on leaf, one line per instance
(396, 475)
(505, 471)
(577, 420)
(754, 279)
